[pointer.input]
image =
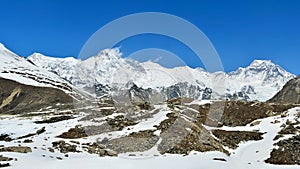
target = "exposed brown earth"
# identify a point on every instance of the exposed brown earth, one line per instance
(64, 147)
(99, 149)
(108, 125)
(289, 129)
(93, 148)
(236, 113)
(233, 138)
(73, 133)
(16, 149)
(2, 158)
(54, 119)
(177, 139)
(287, 153)
(135, 142)
(16, 98)
(5, 137)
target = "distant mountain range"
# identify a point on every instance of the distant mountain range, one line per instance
(108, 72)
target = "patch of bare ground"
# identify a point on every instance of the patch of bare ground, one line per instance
(133, 114)
(64, 147)
(117, 123)
(237, 113)
(16, 149)
(2, 158)
(73, 133)
(180, 136)
(2, 165)
(180, 101)
(288, 128)
(134, 142)
(110, 124)
(54, 119)
(233, 138)
(99, 149)
(46, 113)
(288, 152)
(5, 137)
(16, 98)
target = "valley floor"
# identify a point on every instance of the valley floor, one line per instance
(250, 154)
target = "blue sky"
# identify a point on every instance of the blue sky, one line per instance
(241, 31)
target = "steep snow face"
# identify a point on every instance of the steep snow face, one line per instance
(59, 66)
(262, 72)
(161, 76)
(260, 80)
(19, 69)
(106, 68)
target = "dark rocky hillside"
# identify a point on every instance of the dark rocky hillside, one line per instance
(290, 92)
(19, 98)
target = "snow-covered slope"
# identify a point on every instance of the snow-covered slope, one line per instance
(262, 72)
(20, 69)
(247, 155)
(261, 80)
(105, 68)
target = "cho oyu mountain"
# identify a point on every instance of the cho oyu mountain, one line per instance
(99, 74)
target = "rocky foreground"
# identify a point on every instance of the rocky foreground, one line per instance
(141, 130)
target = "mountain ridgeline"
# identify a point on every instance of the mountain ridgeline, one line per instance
(108, 74)
(261, 80)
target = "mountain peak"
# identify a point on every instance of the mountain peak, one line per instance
(6, 52)
(258, 63)
(36, 55)
(114, 52)
(41, 57)
(263, 73)
(2, 47)
(106, 58)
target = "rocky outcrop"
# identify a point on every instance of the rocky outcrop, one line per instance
(18, 98)
(233, 138)
(73, 133)
(134, 142)
(287, 153)
(290, 92)
(16, 149)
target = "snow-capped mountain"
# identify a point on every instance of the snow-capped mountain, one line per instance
(105, 68)
(260, 80)
(262, 73)
(16, 68)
